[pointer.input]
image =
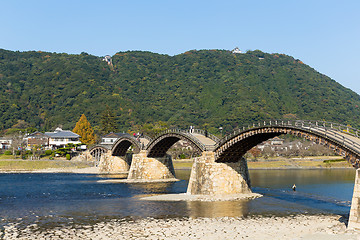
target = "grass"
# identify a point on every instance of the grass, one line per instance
(30, 165)
(300, 163)
(3, 156)
(7, 164)
(334, 160)
(182, 164)
(269, 164)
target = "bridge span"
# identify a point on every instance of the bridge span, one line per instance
(221, 168)
(344, 140)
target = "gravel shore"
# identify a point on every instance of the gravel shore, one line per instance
(205, 198)
(292, 227)
(87, 170)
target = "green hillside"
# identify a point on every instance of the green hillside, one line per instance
(209, 88)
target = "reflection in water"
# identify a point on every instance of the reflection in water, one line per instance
(237, 208)
(154, 188)
(113, 176)
(283, 178)
(182, 174)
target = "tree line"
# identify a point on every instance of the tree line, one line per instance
(144, 91)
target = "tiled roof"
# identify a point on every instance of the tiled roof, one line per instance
(62, 134)
(36, 134)
(5, 138)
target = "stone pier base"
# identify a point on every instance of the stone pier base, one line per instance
(114, 164)
(211, 178)
(354, 218)
(145, 168)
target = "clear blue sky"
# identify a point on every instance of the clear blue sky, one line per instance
(324, 34)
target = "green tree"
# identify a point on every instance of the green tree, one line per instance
(151, 129)
(108, 121)
(84, 129)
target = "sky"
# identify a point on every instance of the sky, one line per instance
(324, 34)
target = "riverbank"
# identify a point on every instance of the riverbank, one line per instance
(46, 166)
(204, 198)
(283, 163)
(256, 228)
(61, 165)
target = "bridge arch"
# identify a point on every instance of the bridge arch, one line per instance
(235, 145)
(97, 151)
(163, 142)
(122, 145)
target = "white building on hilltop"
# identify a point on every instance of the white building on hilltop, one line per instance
(108, 59)
(236, 50)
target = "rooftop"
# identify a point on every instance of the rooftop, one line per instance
(59, 133)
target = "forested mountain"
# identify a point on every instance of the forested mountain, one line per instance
(209, 88)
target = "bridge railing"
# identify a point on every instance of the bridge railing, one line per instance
(188, 134)
(326, 129)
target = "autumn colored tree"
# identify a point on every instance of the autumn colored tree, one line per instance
(255, 152)
(84, 129)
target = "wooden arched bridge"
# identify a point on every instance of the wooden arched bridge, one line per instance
(221, 169)
(344, 140)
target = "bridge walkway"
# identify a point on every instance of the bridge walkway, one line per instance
(203, 139)
(144, 141)
(340, 136)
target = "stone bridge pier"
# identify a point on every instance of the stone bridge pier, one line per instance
(151, 168)
(211, 178)
(354, 218)
(114, 164)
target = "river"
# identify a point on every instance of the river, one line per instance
(52, 199)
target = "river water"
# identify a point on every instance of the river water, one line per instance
(52, 199)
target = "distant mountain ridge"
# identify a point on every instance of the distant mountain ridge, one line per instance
(206, 88)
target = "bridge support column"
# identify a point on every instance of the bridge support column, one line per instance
(114, 164)
(145, 168)
(354, 218)
(211, 178)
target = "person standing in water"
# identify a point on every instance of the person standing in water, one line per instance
(294, 187)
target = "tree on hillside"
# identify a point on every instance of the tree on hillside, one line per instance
(108, 121)
(84, 129)
(151, 129)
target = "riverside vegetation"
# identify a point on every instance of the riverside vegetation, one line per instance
(206, 88)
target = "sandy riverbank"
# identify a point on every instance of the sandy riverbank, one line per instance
(87, 170)
(255, 228)
(139, 180)
(206, 198)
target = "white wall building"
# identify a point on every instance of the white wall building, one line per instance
(59, 138)
(5, 142)
(111, 138)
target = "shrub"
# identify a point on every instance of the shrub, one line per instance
(335, 160)
(68, 157)
(7, 152)
(48, 152)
